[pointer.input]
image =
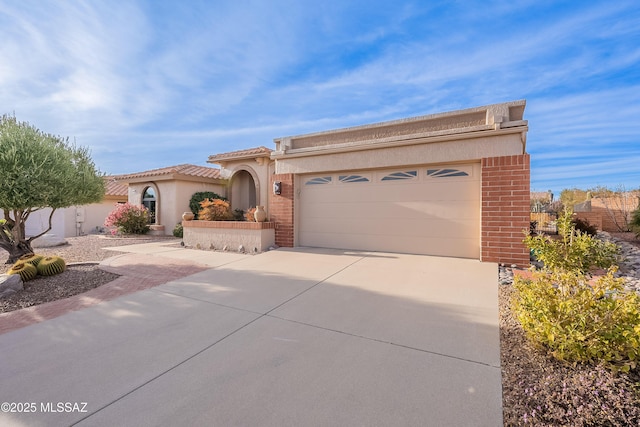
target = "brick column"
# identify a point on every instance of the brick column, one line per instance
(281, 210)
(505, 209)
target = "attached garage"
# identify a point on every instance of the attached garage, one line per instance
(431, 210)
(448, 184)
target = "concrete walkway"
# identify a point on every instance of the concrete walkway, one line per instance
(289, 337)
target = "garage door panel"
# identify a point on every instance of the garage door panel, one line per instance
(420, 214)
(458, 228)
(381, 193)
(441, 246)
(334, 212)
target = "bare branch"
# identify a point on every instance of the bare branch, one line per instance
(45, 231)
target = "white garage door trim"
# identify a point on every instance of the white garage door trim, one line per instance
(431, 209)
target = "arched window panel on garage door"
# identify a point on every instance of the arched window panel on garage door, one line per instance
(318, 180)
(352, 178)
(400, 176)
(448, 172)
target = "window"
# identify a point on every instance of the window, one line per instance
(319, 180)
(149, 202)
(398, 176)
(353, 178)
(445, 173)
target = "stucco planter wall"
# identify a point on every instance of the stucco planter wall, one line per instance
(252, 236)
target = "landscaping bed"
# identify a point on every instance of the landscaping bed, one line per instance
(76, 279)
(538, 390)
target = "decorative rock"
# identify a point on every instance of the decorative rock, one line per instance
(241, 249)
(48, 240)
(10, 284)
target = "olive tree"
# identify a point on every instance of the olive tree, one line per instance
(37, 171)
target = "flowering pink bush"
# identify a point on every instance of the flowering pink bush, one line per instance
(130, 219)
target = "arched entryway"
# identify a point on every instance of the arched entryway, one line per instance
(243, 191)
(149, 201)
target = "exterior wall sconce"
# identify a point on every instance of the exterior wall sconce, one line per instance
(277, 188)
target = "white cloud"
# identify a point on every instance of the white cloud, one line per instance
(218, 76)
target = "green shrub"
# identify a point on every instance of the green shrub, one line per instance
(578, 322)
(574, 250)
(178, 231)
(238, 215)
(583, 226)
(199, 197)
(635, 222)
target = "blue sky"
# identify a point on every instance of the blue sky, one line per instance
(148, 84)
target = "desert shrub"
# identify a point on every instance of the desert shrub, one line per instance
(238, 215)
(197, 198)
(249, 215)
(635, 222)
(574, 250)
(178, 231)
(129, 219)
(581, 322)
(215, 210)
(583, 226)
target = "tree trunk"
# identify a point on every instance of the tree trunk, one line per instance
(17, 250)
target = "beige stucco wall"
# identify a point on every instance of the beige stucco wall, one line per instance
(209, 235)
(94, 216)
(418, 152)
(172, 198)
(475, 119)
(64, 221)
(260, 169)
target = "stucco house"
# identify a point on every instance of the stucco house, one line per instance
(450, 184)
(166, 191)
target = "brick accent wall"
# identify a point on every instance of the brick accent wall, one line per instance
(505, 209)
(594, 218)
(281, 210)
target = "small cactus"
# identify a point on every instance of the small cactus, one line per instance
(51, 265)
(31, 259)
(25, 270)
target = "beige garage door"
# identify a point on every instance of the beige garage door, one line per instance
(432, 210)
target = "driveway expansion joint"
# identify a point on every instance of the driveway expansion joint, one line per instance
(408, 347)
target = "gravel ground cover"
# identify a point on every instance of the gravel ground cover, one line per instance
(76, 279)
(537, 390)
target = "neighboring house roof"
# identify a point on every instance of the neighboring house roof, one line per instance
(114, 188)
(249, 153)
(543, 196)
(185, 172)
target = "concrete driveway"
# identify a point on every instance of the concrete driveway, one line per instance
(298, 337)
